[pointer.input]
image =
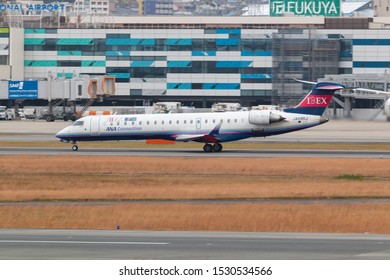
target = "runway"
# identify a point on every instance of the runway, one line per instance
(35, 244)
(153, 152)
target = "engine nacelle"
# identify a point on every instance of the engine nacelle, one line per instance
(264, 117)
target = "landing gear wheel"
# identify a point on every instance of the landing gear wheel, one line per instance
(75, 148)
(49, 118)
(208, 148)
(217, 147)
(73, 117)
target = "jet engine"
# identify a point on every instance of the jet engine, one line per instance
(264, 117)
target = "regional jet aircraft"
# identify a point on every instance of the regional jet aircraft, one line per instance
(212, 129)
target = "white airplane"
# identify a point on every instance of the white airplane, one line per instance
(209, 128)
(386, 105)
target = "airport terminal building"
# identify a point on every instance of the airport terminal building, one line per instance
(200, 60)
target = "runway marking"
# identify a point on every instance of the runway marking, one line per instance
(379, 254)
(83, 242)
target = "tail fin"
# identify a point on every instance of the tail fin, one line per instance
(317, 100)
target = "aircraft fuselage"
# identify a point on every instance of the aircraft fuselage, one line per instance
(233, 126)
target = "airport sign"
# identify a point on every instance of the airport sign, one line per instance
(22, 8)
(323, 8)
(22, 89)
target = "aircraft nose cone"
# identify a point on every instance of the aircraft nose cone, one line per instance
(323, 120)
(62, 133)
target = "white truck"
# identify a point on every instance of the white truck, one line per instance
(6, 114)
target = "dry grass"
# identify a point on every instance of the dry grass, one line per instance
(70, 178)
(40, 187)
(267, 217)
(27, 178)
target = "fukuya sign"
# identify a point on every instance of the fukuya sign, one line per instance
(326, 8)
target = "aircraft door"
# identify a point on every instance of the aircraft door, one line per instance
(95, 125)
(198, 123)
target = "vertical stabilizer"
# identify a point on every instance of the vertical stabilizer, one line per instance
(317, 100)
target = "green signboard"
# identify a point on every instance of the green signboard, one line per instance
(326, 8)
(4, 30)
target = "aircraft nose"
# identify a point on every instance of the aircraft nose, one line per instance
(62, 133)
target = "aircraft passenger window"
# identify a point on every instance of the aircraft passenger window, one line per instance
(78, 123)
(205, 121)
(140, 123)
(177, 122)
(118, 123)
(162, 122)
(235, 120)
(213, 120)
(170, 122)
(132, 123)
(228, 120)
(155, 122)
(191, 121)
(125, 123)
(185, 121)
(147, 122)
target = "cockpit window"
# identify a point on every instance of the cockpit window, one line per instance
(78, 123)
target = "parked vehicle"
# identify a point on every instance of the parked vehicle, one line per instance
(57, 113)
(6, 114)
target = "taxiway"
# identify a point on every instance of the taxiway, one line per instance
(91, 244)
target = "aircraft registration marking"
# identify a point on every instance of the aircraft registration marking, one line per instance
(303, 118)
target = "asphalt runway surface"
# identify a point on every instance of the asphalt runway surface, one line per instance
(146, 245)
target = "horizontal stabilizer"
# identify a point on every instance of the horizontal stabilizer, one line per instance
(305, 82)
(330, 87)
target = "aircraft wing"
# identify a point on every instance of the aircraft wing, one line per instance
(211, 137)
(197, 137)
(188, 137)
(372, 91)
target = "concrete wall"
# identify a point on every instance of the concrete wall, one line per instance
(17, 53)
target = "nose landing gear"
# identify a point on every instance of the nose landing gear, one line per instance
(75, 147)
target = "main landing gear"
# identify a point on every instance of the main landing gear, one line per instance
(217, 147)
